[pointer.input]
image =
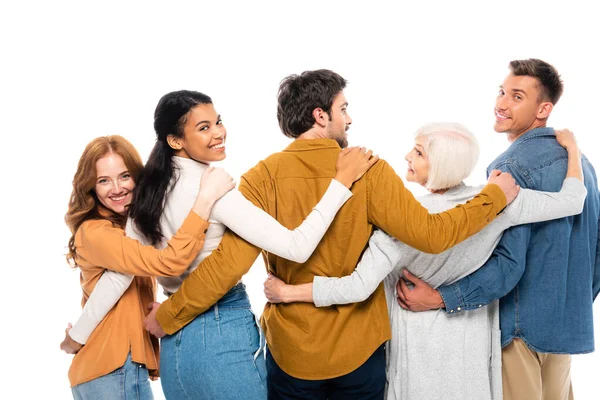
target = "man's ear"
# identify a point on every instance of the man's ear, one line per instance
(321, 117)
(174, 142)
(544, 110)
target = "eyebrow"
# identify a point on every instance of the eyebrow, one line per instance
(515, 90)
(344, 105)
(120, 173)
(208, 122)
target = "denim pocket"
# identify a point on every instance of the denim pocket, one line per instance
(118, 371)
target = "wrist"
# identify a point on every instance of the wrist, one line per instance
(346, 181)
(203, 205)
(440, 300)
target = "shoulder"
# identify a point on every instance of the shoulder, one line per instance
(95, 229)
(379, 168)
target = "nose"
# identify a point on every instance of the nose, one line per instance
(220, 132)
(348, 119)
(501, 102)
(407, 156)
(117, 187)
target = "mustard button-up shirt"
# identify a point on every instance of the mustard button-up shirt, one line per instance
(320, 343)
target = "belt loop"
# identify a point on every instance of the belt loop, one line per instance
(217, 317)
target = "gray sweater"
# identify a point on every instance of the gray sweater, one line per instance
(434, 355)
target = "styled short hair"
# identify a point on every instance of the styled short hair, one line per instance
(300, 94)
(452, 151)
(548, 77)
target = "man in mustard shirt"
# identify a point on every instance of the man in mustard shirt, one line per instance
(334, 352)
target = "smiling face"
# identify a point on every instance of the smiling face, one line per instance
(203, 136)
(114, 184)
(519, 108)
(418, 163)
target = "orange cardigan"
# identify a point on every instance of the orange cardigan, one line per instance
(100, 245)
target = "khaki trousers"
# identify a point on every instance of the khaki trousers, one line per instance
(529, 375)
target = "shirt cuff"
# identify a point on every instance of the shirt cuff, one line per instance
(497, 196)
(165, 319)
(452, 298)
(195, 226)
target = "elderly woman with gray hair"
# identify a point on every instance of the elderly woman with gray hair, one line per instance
(433, 355)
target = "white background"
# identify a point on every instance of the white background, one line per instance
(70, 72)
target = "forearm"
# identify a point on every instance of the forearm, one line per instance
(100, 243)
(213, 277)
(298, 293)
(496, 278)
(574, 169)
(107, 292)
(262, 230)
(393, 208)
(378, 260)
(532, 206)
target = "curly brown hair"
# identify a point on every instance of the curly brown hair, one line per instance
(83, 203)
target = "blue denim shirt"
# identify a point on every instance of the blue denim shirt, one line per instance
(547, 274)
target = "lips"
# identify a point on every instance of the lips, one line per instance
(501, 117)
(119, 198)
(218, 147)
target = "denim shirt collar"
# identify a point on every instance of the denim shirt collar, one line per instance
(536, 132)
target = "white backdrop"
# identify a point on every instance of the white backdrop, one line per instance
(71, 71)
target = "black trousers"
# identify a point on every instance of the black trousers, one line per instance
(365, 383)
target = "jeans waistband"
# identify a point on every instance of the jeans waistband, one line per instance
(236, 298)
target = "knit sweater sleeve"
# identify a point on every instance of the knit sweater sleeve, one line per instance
(262, 230)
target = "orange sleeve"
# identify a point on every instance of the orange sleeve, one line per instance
(102, 244)
(394, 209)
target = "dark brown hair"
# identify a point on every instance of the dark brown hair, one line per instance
(546, 74)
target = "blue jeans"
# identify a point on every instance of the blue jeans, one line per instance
(218, 355)
(130, 382)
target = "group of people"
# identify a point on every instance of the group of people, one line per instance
(465, 293)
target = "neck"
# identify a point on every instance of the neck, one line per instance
(438, 191)
(313, 133)
(512, 136)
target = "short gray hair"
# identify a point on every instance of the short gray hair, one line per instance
(452, 151)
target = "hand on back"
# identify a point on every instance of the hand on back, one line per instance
(566, 139)
(69, 345)
(506, 183)
(215, 183)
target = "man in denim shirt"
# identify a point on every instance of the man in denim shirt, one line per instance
(547, 274)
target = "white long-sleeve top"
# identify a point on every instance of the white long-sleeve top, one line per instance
(433, 355)
(232, 211)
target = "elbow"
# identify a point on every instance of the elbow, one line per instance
(362, 297)
(173, 272)
(576, 205)
(299, 258)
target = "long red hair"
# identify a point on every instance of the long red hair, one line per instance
(83, 203)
